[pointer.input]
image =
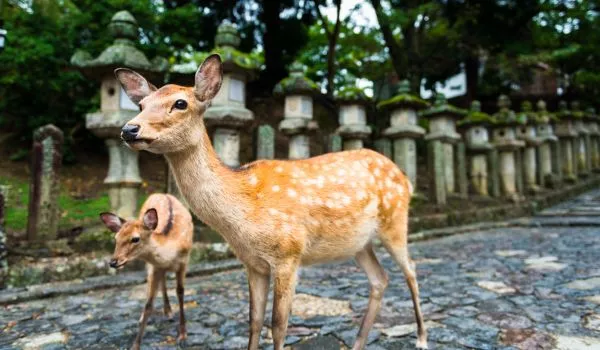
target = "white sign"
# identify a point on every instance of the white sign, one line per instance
(126, 103)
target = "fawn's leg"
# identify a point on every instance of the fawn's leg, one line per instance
(259, 290)
(395, 242)
(154, 279)
(284, 283)
(180, 274)
(378, 280)
(166, 304)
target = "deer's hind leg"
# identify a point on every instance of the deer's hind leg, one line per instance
(394, 238)
(378, 280)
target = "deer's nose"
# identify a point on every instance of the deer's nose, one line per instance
(129, 132)
(113, 263)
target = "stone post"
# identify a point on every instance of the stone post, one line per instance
(581, 142)
(265, 144)
(297, 124)
(435, 164)
(567, 134)
(442, 126)
(527, 132)
(227, 114)
(505, 141)
(478, 148)
(334, 143)
(404, 129)
(545, 132)
(384, 146)
(3, 249)
(123, 179)
(594, 128)
(46, 159)
(353, 127)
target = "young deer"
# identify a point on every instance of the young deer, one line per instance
(162, 237)
(277, 214)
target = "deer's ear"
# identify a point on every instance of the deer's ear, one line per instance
(135, 85)
(112, 221)
(151, 219)
(208, 78)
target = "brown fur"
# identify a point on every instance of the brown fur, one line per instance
(165, 247)
(277, 215)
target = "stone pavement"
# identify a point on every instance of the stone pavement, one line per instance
(535, 285)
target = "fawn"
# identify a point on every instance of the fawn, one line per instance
(162, 237)
(277, 214)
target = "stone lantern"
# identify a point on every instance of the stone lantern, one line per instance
(474, 128)
(116, 108)
(528, 133)
(582, 140)
(505, 140)
(548, 162)
(442, 126)
(404, 129)
(594, 132)
(227, 114)
(297, 124)
(567, 134)
(353, 128)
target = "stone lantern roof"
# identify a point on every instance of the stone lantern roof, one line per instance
(403, 99)
(476, 117)
(122, 53)
(543, 116)
(227, 42)
(297, 83)
(506, 116)
(563, 112)
(576, 111)
(527, 113)
(351, 94)
(441, 108)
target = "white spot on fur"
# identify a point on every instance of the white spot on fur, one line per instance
(275, 188)
(272, 211)
(329, 203)
(341, 172)
(291, 193)
(253, 180)
(376, 172)
(279, 169)
(346, 200)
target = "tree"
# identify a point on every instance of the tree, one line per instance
(332, 34)
(422, 43)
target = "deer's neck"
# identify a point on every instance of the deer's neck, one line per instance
(211, 190)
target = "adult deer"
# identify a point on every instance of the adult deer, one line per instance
(278, 214)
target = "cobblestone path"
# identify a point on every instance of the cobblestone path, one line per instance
(532, 286)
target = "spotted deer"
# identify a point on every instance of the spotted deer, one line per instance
(162, 237)
(277, 214)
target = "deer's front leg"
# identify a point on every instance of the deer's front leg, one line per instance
(154, 279)
(258, 285)
(284, 284)
(180, 291)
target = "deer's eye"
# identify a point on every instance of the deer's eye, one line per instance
(180, 104)
(135, 239)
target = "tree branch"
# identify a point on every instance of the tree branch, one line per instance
(323, 19)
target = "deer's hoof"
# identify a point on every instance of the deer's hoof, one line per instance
(421, 344)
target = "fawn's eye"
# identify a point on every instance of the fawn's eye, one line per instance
(135, 239)
(180, 104)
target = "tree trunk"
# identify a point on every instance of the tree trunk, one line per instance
(274, 70)
(388, 37)
(472, 76)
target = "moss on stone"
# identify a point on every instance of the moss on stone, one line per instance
(352, 94)
(403, 100)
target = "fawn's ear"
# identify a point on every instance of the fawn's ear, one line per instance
(135, 85)
(112, 221)
(208, 78)
(151, 219)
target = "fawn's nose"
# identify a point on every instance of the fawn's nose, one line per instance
(129, 132)
(113, 263)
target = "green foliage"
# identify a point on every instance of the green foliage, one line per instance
(74, 212)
